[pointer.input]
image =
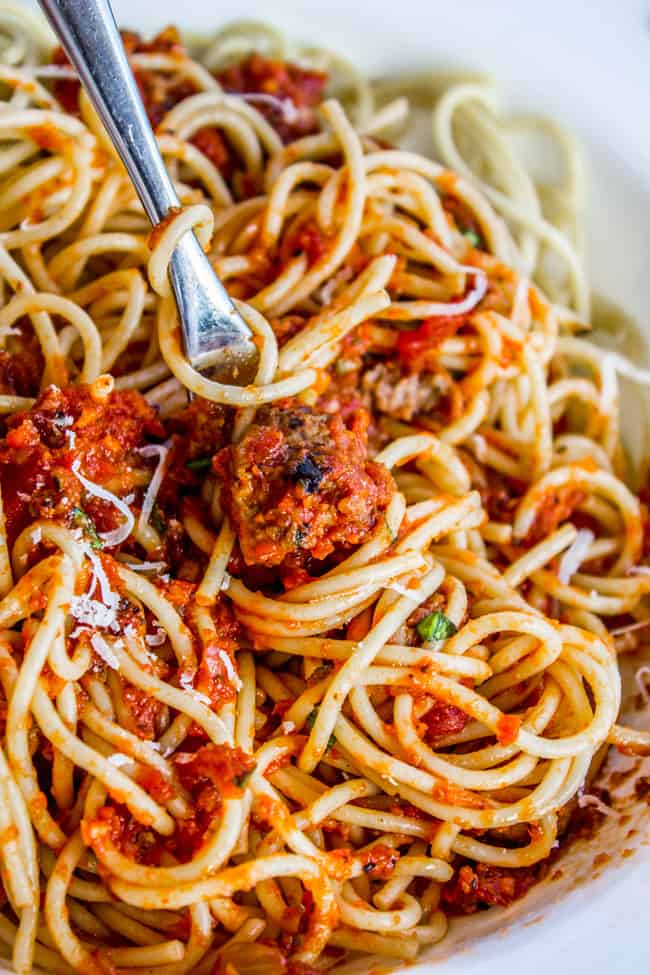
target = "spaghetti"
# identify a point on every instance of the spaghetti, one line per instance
(296, 670)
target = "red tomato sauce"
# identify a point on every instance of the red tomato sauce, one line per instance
(65, 428)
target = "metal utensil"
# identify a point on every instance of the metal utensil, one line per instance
(213, 330)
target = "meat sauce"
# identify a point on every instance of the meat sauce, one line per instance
(217, 663)
(299, 486)
(417, 348)
(555, 507)
(475, 887)
(303, 88)
(65, 428)
(209, 775)
(289, 94)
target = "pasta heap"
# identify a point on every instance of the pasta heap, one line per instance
(300, 669)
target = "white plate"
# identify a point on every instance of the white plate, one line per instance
(587, 63)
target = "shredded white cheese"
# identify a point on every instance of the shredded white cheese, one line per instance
(93, 612)
(146, 566)
(117, 535)
(575, 555)
(156, 639)
(233, 676)
(160, 451)
(290, 112)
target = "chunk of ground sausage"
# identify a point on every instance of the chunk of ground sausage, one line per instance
(302, 87)
(398, 395)
(300, 484)
(473, 888)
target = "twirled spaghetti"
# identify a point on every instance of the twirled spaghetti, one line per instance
(295, 670)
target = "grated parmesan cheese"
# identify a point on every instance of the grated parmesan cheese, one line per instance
(117, 535)
(233, 676)
(93, 612)
(160, 451)
(290, 112)
(145, 566)
(156, 639)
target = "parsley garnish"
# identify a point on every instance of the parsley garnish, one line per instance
(158, 520)
(241, 780)
(436, 626)
(311, 721)
(82, 520)
(472, 237)
(199, 464)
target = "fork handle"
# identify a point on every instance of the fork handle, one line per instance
(89, 36)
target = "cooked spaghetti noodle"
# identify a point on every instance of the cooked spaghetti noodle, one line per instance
(295, 670)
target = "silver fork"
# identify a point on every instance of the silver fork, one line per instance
(214, 332)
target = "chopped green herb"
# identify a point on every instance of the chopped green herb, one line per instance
(311, 721)
(472, 237)
(241, 780)
(199, 464)
(299, 536)
(82, 520)
(436, 626)
(393, 536)
(158, 520)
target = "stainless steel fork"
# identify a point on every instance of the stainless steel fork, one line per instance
(213, 330)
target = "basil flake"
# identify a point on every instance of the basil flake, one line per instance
(436, 626)
(83, 520)
(311, 721)
(472, 238)
(199, 464)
